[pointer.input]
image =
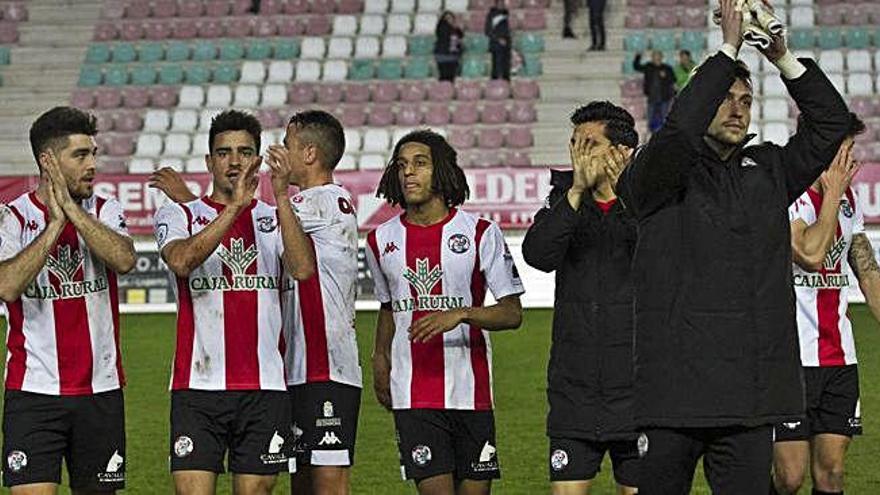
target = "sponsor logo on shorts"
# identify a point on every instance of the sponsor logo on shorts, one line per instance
(113, 473)
(558, 459)
(487, 461)
(297, 432)
(642, 445)
(856, 420)
(330, 438)
(16, 461)
(274, 454)
(328, 419)
(792, 425)
(183, 446)
(421, 455)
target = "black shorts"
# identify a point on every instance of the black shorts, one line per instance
(443, 441)
(832, 395)
(325, 419)
(576, 459)
(88, 431)
(253, 426)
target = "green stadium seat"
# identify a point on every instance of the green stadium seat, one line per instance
(124, 53)
(231, 50)
(116, 75)
(802, 39)
(626, 67)
(418, 68)
(143, 75)
(204, 51)
(225, 74)
(178, 51)
(475, 44)
(197, 74)
(89, 76)
(663, 41)
(5, 55)
(259, 50)
(389, 69)
(693, 41)
(858, 38)
(361, 70)
(150, 52)
(171, 74)
(531, 66)
(98, 54)
(830, 38)
(474, 67)
(530, 43)
(286, 49)
(636, 42)
(421, 45)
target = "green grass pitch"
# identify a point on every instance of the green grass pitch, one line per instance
(520, 359)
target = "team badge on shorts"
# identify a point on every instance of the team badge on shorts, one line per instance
(421, 455)
(183, 446)
(558, 459)
(642, 445)
(459, 243)
(16, 460)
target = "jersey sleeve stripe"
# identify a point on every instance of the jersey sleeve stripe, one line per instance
(15, 342)
(17, 215)
(186, 330)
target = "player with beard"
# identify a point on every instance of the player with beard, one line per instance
(431, 267)
(61, 247)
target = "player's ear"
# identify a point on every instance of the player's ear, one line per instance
(209, 163)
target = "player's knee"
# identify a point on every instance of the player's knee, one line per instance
(829, 476)
(788, 480)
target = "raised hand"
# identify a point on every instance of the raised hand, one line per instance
(614, 160)
(279, 162)
(777, 47)
(731, 23)
(246, 184)
(836, 180)
(169, 181)
(585, 172)
(57, 180)
(56, 213)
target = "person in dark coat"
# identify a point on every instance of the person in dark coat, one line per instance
(586, 236)
(500, 41)
(597, 24)
(658, 86)
(448, 47)
(716, 359)
(570, 11)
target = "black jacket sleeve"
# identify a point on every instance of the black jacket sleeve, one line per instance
(547, 240)
(638, 66)
(656, 174)
(822, 127)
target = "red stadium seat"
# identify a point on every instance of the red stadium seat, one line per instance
(184, 29)
(517, 158)
(636, 20)
(108, 98)
(210, 28)
(437, 114)
(350, 7)
(241, 7)
(238, 27)
(493, 113)
(138, 10)
(519, 137)
(440, 90)
(165, 9)
(112, 10)
(318, 25)
(127, 121)
(323, 6)
(301, 94)
(291, 26)
(467, 90)
(525, 89)
(132, 31)
(163, 97)
(497, 89)
(523, 112)
(329, 94)
(217, 8)
(82, 98)
(103, 121)
(270, 118)
(135, 97)
(461, 138)
(412, 92)
(693, 18)
(532, 19)
(664, 19)
(105, 31)
(491, 138)
(353, 116)
(157, 30)
(409, 116)
(265, 27)
(356, 93)
(380, 116)
(465, 114)
(296, 7)
(384, 92)
(863, 106)
(271, 7)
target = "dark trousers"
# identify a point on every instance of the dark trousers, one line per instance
(501, 64)
(571, 9)
(736, 460)
(447, 70)
(597, 22)
(657, 114)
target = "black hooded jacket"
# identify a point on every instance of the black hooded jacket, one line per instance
(589, 378)
(716, 342)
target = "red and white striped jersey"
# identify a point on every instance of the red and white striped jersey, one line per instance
(229, 308)
(419, 270)
(824, 329)
(319, 314)
(63, 336)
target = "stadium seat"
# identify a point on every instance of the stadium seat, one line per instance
(148, 145)
(474, 67)
(219, 96)
(318, 26)
(108, 98)
(858, 61)
(462, 139)
(246, 96)
(532, 66)
(376, 140)
(802, 39)
(437, 114)
(424, 24)
(335, 70)
(226, 73)
(493, 112)
(465, 114)
(232, 50)
(456, 5)
(802, 17)
(372, 25)
(839, 82)
(177, 144)
(84, 99)
(491, 138)
(313, 48)
(116, 76)
(339, 48)
(217, 8)
(356, 93)
(403, 6)
(775, 132)
(421, 45)
(150, 52)
(371, 162)
(143, 75)
(380, 116)
(530, 43)
(253, 72)
(409, 116)
(353, 116)
(346, 163)
(177, 51)
(663, 40)
(695, 41)
(97, 54)
(475, 44)
(519, 137)
(418, 68)
(344, 25)
(366, 47)
(207, 115)
(497, 89)
(398, 24)
(308, 70)
(523, 113)
(412, 92)
(197, 74)
(772, 85)
(196, 164)
(525, 89)
(191, 97)
(280, 71)
(184, 120)
(163, 96)
(375, 6)
(831, 61)
(774, 109)
(204, 51)
(361, 70)
(830, 38)
(141, 166)
(124, 53)
(389, 69)
(430, 5)
(258, 50)
(286, 49)
(385, 92)
(858, 38)
(859, 84)
(274, 95)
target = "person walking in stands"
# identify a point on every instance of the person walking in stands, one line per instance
(659, 87)
(447, 48)
(498, 30)
(597, 24)
(683, 69)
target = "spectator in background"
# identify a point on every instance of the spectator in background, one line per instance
(683, 69)
(571, 9)
(498, 30)
(448, 48)
(597, 24)
(659, 87)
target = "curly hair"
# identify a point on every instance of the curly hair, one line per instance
(619, 124)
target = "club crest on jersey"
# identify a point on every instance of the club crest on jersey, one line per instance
(238, 259)
(558, 460)
(16, 461)
(846, 208)
(835, 254)
(183, 446)
(266, 224)
(421, 455)
(64, 265)
(161, 233)
(458, 243)
(423, 279)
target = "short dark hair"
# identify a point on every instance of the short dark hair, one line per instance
(685, 52)
(620, 127)
(743, 73)
(53, 127)
(234, 120)
(448, 178)
(323, 130)
(856, 126)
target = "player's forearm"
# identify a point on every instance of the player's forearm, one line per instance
(17, 272)
(299, 255)
(114, 249)
(818, 237)
(185, 255)
(506, 314)
(384, 335)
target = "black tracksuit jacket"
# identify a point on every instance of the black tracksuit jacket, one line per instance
(589, 378)
(716, 342)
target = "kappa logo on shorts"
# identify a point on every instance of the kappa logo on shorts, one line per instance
(112, 474)
(748, 162)
(856, 420)
(16, 461)
(642, 445)
(458, 243)
(792, 425)
(558, 459)
(421, 455)
(274, 455)
(487, 461)
(330, 438)
(183, 446)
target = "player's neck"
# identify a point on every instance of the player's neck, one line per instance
(428, 213)
(43, 190)
(317, 179)
(603, 192)
(221, 197)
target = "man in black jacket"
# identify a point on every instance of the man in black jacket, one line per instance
(658, 86)
(497, 28)
(716, 355)
(585, 235)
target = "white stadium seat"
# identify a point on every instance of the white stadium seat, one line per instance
(372, 25)
(175, 164)
(831, 61)
(403, 6)
(776, 132)
(344, 25)
(312, 47)
(339, 48)
(274, 95)
(308, 70)
(366, 47)
(838, 81)
(148, 145)
(398, 24)
(375, 140)
(191, 97)
(280, 71)
(141, 166)
(751, 58)
(252, 72)
(859, 84)
(335, 70)
(375, 6)
(219, 96)
(371, 162)
(772, 85)
(858, 61)
(352, 140)
(184, 120)
(156, 120)
(774, 109)
(347, 162)
(455, 6)
(200, 144)
(425, 23)
(394, 47)
(196, 165)
(399, 133)
(802, 17)
(208, 114)
(431, 6)
(177, 144)
(246, 96)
